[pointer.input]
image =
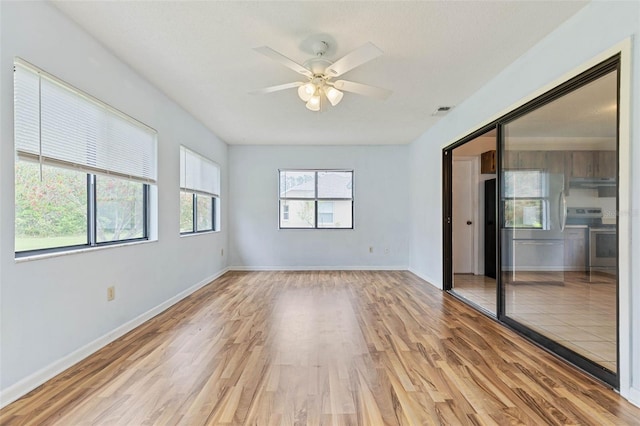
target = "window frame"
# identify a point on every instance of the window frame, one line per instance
(544, 212)
(92, 224)
(194, 218)
(145, 215)
(543, 199)
(315, 199)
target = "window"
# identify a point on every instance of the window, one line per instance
(199, 193)
(529, 209)
(316, 199)
(51, 207)
(83, 169)
(120, 209)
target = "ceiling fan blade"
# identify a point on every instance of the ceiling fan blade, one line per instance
(351, 60)
(362, 89)
(272, 89)
(279, 57)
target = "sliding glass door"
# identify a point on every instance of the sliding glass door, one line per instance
(555, 235)
(473, 178)
(558, 198)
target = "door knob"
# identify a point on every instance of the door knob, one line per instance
(469, 222)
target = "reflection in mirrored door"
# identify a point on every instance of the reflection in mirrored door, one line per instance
(558, 197)
(473, 221)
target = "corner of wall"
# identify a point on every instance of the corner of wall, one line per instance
(426, 278)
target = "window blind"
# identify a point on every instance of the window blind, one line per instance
(198, 174)
(60, 125)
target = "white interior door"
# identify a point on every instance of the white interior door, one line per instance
(463, 213)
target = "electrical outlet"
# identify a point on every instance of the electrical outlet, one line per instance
(111, 293)
(370, 249)
(386, 250)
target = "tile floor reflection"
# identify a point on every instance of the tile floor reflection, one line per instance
(579, 313)
(478, 289)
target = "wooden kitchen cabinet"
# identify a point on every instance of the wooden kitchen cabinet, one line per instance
(488, 162)
(606, 164)
(575, 249)
(594, 164)
(583, 164)
(510, 160)
(558, 161)
(532, 160)
(524, 160)
(573, 164)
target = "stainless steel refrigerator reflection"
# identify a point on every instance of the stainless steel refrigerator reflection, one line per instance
(534, 217)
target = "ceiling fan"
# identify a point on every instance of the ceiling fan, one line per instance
(320, 72)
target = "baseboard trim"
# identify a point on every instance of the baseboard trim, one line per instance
(527, 268)
(634, 396)
(318, 268)
(425, 278)
(26, 385)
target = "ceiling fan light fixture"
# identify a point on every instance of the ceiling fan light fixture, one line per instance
(333, 94)
(319, 72)
(306, 91)
(314, 103)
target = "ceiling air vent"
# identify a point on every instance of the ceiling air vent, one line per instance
(442, 110)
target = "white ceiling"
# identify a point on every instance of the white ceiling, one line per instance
(201, 55)
(584, 119)
(588, 112)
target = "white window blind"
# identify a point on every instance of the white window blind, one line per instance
(60, 125)
(198, 174)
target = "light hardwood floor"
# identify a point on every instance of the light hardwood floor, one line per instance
(579, 313)
(284, 348)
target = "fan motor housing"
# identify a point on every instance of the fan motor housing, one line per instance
(317, 65)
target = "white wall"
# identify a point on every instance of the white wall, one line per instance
(593, 30)
(55, 306)
(380, 209)
(425, 211)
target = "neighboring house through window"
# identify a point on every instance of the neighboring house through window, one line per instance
(316, 199)
(83, 170)
(325, 213)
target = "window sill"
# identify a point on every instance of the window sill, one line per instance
(193, 234)
(316, 229)
(76, 251)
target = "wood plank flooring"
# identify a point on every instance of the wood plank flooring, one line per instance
(312, 348)
(580, 312)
